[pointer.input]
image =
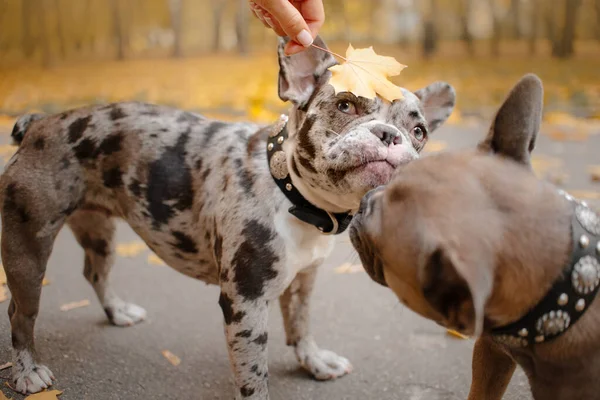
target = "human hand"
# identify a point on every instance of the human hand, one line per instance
(300, 20)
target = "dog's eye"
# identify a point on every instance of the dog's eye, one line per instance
(347, 107)
(419, 133)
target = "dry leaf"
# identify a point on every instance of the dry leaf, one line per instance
(594, 171)
(348, 268)
(131, 249)
(3, 396)
(434, 146)
(364, 73)
(155, 260)
(45, 395)
(173, 359)
(5, 366)
(2, 275)
(584, 194)
(3, 294)
(456, 334)
(74, 305)
(45, 282)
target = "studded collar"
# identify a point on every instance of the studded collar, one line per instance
(571, 294)
(326, 222)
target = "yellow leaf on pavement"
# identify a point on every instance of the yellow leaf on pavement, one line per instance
(173, 359)
(75, 304)
(348, 268)
(155, 260)
(456, 334)
(131, 249)
(45, 395)
(365, 73)
(3, 396)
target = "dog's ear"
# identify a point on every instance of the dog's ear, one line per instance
(302, 73)
(437, 101)
(515, 128)
(455, 291)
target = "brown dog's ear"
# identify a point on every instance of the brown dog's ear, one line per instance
(302, 73)
(455, 291)
(517, 123)
(437, 101)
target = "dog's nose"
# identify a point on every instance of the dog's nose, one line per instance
(387, 134)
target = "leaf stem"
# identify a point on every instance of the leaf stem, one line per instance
(330, 52)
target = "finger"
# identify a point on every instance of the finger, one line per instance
(313, 12)
(290, 19)
(292, 48)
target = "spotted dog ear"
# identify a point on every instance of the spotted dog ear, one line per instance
(301, 74)
(515, 128)
(437, 102)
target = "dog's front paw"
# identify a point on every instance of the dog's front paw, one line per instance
(124, 314)
(33, 380)
(322, 364)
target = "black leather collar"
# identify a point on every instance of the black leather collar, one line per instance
(326, 222)
(571, 294)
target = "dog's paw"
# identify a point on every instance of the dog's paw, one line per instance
(124, 314)
(323, 365)
(33, 380)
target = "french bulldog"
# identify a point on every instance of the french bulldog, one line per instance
(475, 242)
(250, 208)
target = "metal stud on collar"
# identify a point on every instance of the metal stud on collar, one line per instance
(586, 275)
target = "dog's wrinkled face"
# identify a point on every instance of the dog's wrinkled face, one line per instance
(434, 234)
(344, 145)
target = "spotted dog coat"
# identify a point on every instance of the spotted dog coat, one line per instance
(200, 194)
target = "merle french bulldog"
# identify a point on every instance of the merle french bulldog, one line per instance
(250, 208)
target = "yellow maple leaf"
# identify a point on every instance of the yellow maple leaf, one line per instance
(45, 395)
(365, 73)
(3, 397)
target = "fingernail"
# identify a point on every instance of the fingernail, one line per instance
(305, 38)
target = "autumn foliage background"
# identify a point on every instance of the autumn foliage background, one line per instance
(213, 57)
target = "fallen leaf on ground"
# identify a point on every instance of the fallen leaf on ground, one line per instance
(365, 73)
(3, 294)
(155, 260)
(5, 366)
(45, 282)
(348, 268)
(131, 249)
(75, 304)
(594, 171)
(560, 135)
(173, 359)
(45, 395)
(584, 194)
(433, 146)
(456, 334)
(2, 275)
(3, 396)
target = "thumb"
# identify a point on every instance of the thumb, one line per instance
(289, 18)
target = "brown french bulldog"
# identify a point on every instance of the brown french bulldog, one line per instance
(475, 242)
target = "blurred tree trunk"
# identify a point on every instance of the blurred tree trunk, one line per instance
(535, 26)
(466, 36)
(598, 19)
(430, 39)
(515, 14)
(176, 14)
(27, 39)
(563, 46)
(496, 30)
(118, 29)
(242, 28)
(59, 30)
(218, 10)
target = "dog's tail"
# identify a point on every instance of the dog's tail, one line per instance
(21, 126)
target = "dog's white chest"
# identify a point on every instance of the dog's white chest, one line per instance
(304, 245)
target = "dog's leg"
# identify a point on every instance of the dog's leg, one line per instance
(246, 324)
(25, 252)
(492, 370)
(294, 302)
(95, 232)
